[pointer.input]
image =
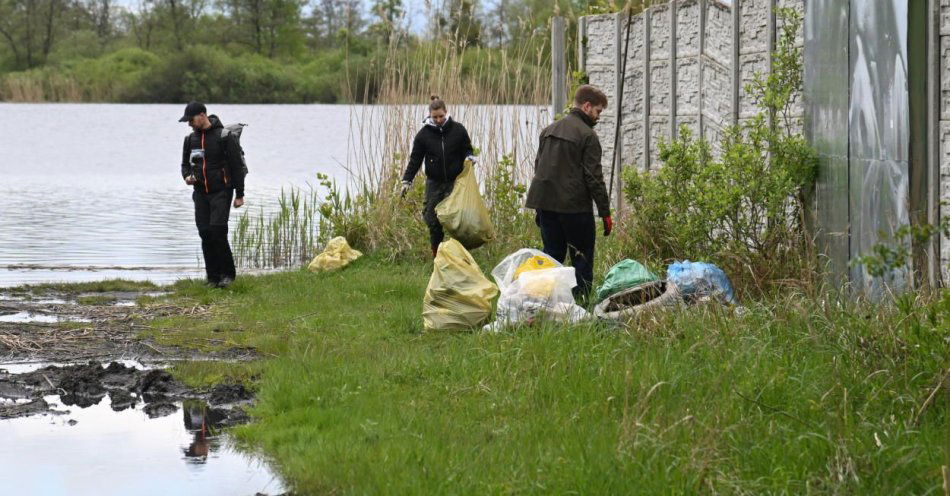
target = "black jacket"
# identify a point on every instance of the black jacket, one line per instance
(567, 171)
(444, 150)
(221, 167)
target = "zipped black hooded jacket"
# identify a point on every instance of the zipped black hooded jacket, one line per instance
(221, 167)
(443, 149)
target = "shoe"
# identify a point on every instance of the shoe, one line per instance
(225, 282)
(211, 284)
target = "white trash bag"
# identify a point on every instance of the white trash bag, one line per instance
(507, 270)
(542, 293)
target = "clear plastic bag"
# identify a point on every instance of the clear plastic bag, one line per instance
(513, 265)
(538, 294)
(697, 280)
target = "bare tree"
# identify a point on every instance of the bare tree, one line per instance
(142, 23)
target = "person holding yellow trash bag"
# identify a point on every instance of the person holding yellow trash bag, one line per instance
(444, 145)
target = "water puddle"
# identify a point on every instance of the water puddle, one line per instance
(27, 317)
(122, 443)
(27, 367)
(97, 450)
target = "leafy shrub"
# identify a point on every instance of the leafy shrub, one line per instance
(743, 208)
(211, 74)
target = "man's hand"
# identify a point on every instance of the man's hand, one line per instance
(190, 180)
(405, 188)
(238, 202)
(608, 225)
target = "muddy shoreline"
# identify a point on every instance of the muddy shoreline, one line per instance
(64, 327)
(81, 338)
(84, 385)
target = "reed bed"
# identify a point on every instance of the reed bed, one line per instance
(367, 209)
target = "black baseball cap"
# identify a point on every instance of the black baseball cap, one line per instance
(193, 109)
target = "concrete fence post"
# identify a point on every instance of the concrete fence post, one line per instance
(558, 67)
(736, 77)
(647, 49)
(933, 251)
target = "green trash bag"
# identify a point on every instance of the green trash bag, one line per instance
(626, 274)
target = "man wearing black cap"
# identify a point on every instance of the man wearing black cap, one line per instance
(212, 164)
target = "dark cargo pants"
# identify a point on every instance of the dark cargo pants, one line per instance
(211, 216)
(571, 235)
(436, 191)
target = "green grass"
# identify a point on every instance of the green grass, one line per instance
(94, 300)
(105, 286)
(796, 396)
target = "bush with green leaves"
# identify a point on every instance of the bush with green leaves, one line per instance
(743, 207)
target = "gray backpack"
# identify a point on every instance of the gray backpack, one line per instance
(233, 131)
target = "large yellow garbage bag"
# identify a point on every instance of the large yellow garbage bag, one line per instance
(463, 214)
(458, 296)
(337, 254)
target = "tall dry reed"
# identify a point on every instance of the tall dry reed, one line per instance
(499, 96)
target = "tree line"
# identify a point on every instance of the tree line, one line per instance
(106, 50)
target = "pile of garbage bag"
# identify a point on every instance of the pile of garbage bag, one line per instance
(630, 288)
(533, 286)
(336, 255)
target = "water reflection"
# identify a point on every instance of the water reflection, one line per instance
(188, 454)
(203, 423)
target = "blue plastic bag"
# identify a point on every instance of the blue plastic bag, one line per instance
(698, 279)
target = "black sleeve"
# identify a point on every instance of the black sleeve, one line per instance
(415, 158)
(594, 175)
(185, 155)
(235, 166)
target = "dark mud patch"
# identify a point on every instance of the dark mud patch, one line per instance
(62, 327)
(84, 385)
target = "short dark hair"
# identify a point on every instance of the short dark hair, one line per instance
(589, 94)
(436, 103)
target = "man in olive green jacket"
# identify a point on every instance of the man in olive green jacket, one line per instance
(568, 181)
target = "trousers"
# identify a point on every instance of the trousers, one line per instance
(570, 235)
(211, 217)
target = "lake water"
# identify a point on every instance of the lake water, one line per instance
(93, 191)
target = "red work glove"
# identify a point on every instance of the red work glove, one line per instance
(608, 225)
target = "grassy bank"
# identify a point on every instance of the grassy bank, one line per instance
(797, 395)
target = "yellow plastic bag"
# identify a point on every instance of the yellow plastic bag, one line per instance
(458, 296)
(336, 255)
(537, 262)
(463, 214)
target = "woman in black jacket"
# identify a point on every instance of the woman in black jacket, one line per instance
(444, 145)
